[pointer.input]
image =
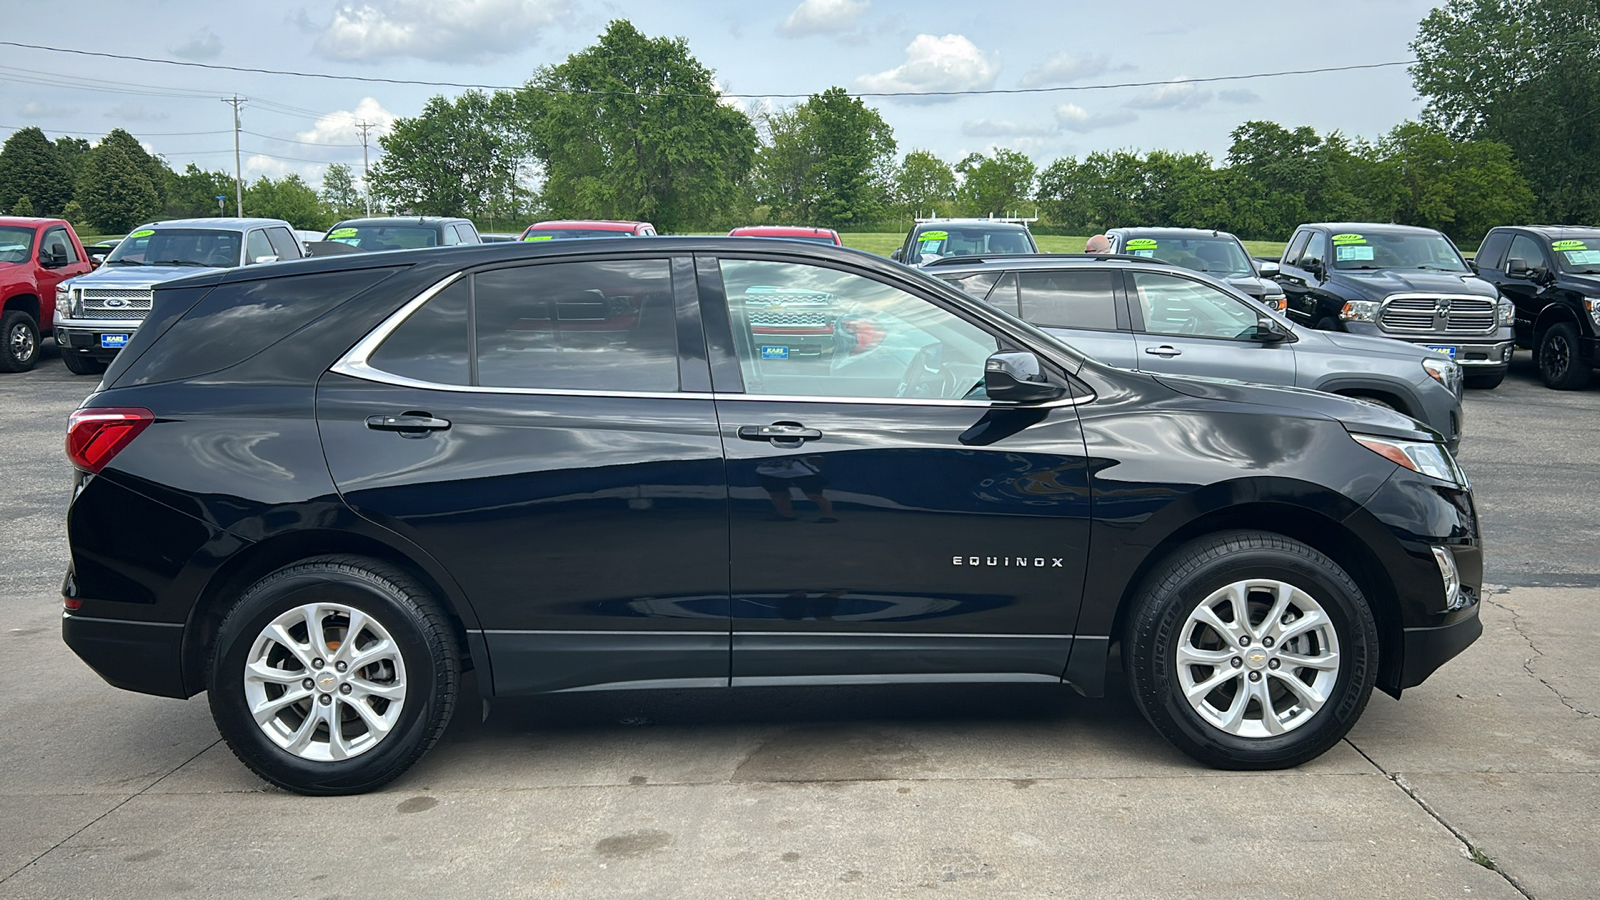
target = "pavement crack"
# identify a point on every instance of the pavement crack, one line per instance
(1473, 851)
(120, 804)
(1527, 663)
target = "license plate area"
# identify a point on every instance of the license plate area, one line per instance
(113, 341)
(1441, 349)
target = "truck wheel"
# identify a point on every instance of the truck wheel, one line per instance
(1248, 650)
(1561, 363)
(333, 675)
(20, 336)
(1485, 380)
(80, 363)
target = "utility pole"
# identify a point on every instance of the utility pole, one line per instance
(238, 170)
(366, 181)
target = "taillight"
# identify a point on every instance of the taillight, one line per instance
(95, 435)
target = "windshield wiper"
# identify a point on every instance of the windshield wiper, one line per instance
(1438, 269)
(123, 262)
(179, 262)
(1358, 268)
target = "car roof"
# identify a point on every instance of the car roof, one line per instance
(398, 220)
(1043, 261)
(939, 224)
(1557, 231)
(806, 230)
(215, 223)
(29, 221)
(1372, 227)
(597, 224)
(1172, 232)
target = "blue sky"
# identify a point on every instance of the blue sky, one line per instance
(300, 124)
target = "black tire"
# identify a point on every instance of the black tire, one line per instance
(1328, 323)
(1196, 573)
(19, 341)
(1484, 381)
(428, 672)
(1560, 358)
(1378, 402)
(82, 364)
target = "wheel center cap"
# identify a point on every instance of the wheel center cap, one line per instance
(1255, 659)
(327, 682)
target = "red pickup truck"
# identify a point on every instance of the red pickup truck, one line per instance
(35, 256)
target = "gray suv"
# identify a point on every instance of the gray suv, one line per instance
(1159, 318)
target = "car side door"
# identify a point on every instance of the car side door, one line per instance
(54, 246)
(545, 430)
(1184, 326)
(1295, 280)
(889, 522)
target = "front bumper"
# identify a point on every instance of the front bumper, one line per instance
(1426, 649)
(1481, 351)
(89, 337)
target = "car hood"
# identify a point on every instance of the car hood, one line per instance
(1588, 284)
(1370, 346)
(1353, 414)
(1378, 285)
(138, 276)
(1255, 287)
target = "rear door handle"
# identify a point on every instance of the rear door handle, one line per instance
(408, 424)
(781, 434)
(1164, 351)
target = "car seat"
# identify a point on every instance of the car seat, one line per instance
(1007, 243)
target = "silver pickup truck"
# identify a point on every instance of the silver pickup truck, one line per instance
(97, 313)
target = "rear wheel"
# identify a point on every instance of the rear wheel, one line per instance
(81, 364)
(334, 675)
(19, 341)
(1248, 650)
(1561, 363)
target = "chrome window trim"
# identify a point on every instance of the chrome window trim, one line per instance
(354, 364)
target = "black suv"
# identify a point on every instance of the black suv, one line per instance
(1551, 273)
(1400, 282)
(397, 233)
(573, 465)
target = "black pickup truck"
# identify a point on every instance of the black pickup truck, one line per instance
(1551, 274)
(1399, 282)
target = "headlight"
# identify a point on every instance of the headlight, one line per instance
(1278, 301)
(1426, 458)
(1592, 304)
(1360, 311)
(63, 301)
(1444, 371)
(1507, 310)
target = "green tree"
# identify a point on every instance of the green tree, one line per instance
(924, 184)
(194, 192)
(630, 128)
(995, 185)
(829, 163)
(30, 167)
(1522, 73)
(23, 207)
(456, 158)
(115, 190)
(1463, 188)
(72, 151)
(153, 167)
(288, 198)
(340, 196)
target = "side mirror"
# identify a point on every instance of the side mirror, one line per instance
(52, 259)
(899, 255)
(1270, 270)
(1016, 376)
(1268, 331)
(1516, 268)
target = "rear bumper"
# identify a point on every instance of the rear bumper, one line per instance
(1426, 649)
(134, 656)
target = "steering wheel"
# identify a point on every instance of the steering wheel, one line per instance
(927, 377)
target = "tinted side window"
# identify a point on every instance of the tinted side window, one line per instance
(1528, 250)
(601, 326)
(257, 246)
(1291, 254)
(1070, 299)
(56, 241)
(432, 343)
(469, 234)
(451, 237)
(284, 244)
(1493, 252)
(1316, 251)
(974, 284)
(1004, 294)
(1184, 308)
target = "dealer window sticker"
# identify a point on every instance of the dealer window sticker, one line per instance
(1349, 239)
(1344, 252)
(1138, 244)
(1582, 257)
(1564, 246)
(143, 232)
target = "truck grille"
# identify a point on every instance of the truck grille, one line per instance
(1465, 315)
(115, 303)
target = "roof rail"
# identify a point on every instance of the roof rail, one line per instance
(1003, 257)
(1013, 220)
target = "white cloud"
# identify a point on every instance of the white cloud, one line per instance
(461, 30)
(1240, 96)
(949, 63)
(203, 44)
(339, 126)
(1075, 118)
(1064, 68)
(264, 165)
(1181, 95)
(1005, 128)
(32, 110)
(133, 112)
(824, 17)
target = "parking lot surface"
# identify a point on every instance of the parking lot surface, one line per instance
(1483, 782)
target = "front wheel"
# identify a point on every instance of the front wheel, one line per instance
(20, 336)
(1248, 650)
(1561, 363)
(333, 675)
(82, 364)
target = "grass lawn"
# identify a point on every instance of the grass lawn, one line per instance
(884, 243)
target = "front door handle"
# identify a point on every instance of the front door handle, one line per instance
(409, 424)
(1165, 351)
(781, 434)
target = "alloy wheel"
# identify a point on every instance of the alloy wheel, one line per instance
(20, 342)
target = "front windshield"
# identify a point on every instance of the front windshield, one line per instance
(1216, 255)
(178, 247)
(552, 234)
(384, 237)
(1377, 250)
(969, 240)
(1579, 256)
(16, 244)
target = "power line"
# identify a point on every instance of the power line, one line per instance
(778, 96)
